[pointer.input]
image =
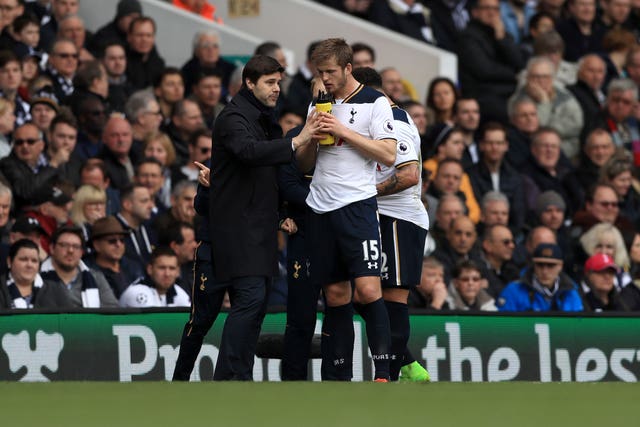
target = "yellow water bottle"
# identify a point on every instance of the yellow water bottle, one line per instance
(323, 103)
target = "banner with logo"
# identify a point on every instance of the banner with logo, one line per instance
(144, 346)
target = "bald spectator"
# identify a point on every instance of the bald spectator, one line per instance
(588, 89)
(116, 30)
(557, 108)
(116, 153)
(497, 252)
(488, 60)
(144, 64)
(206, 54)
(536, 236)
(460, 244)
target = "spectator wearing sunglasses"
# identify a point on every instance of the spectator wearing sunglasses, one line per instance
(199, 151)
(62, 66)
(107, 240)
(602, 205)
(497, 251)
(544, 287)
(26, 168)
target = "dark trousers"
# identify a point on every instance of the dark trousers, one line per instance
(240, 333)
(302, 305)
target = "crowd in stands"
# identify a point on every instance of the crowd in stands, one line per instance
(530, 156)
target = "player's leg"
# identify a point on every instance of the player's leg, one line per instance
(206, 300)
(337, 333)
(241, 329)
(395, 301)
(302, 302)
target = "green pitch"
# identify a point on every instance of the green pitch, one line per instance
(319, 404)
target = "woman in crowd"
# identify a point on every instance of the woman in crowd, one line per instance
(158, 145)
(605, 238)
(618, 172)
(23, 287)
(441, 100)
(89, 205)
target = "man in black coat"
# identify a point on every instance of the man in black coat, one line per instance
(144, 63)
(243, 221)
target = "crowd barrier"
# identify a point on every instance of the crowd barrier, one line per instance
(143, 345)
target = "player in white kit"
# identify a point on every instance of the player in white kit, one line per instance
(343, 227)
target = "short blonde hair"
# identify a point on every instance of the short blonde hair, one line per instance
(85, 194)
(591, 238)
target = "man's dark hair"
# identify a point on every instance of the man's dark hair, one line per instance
(146, 161)
(174, 234)
(7, 56)
(465, 264)
(166, 71)
(368, 77)
(86, 74)
(310, 49)
(179, 109)
(205, 73)
(161, 251)
(141, 20)
(67, 229)
(199, 133)
(258, 66)
(66, 118)
(127, 192)
(491, 126)
(23, 20)
(267, 48)
(359, 47)
(92, 164)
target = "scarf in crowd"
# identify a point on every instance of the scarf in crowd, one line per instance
(90, 294)
(65, 84)
(619, 137)
(18, 300)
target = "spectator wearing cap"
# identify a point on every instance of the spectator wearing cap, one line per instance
(64, 268)
(544, 287)
(51, 207)
(108, 242)
(23, 228)
(62, 66)
(144, 63)
(10, 79)
(22, 286)
(599, 292)
(206, 54)
(116, 30)
(44, 107)
(26, 169)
